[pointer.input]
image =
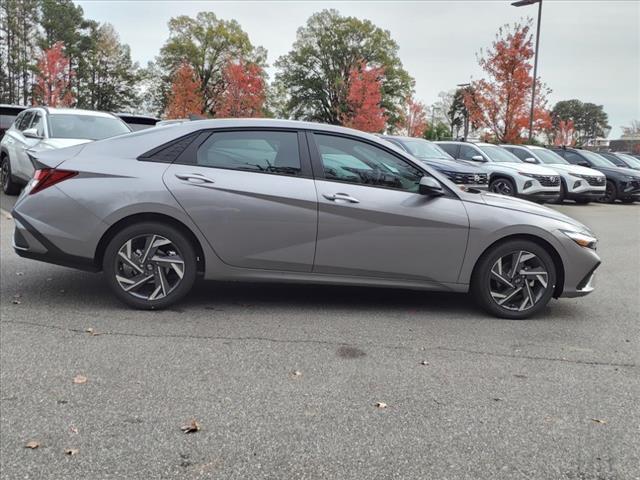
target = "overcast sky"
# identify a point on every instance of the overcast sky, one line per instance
(589, 50)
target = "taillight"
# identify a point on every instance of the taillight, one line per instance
(47, 177)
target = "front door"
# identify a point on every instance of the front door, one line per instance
(251, 194)
(372, 220)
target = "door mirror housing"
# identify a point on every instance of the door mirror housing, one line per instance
(430, 187)
(31, 133)
(530, 160)
(478, 158)
(584, 163)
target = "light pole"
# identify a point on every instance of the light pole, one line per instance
(522, 3)
(466, 113)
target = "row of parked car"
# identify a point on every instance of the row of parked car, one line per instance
(530, 172)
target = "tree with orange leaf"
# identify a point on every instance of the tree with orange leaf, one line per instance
(185, 98)
(363, 99)
(53, 78)
(501, 103)
(244, 94)
(564, 133)
(413, 119)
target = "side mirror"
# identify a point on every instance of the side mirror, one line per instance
(430, 186)
(478, 158)
(584, 163)
(31, 133)
(529, 160)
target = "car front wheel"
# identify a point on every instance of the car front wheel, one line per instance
(503, 186)
(514, 280)
(150, 265)
(611, 193)
(9, 185)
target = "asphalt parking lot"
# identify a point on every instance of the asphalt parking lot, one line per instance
(283, 380)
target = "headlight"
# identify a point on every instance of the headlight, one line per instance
(631, 178)
(530, 175)
(582, 239)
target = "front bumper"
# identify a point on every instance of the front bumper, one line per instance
(579, 264)
(586, 195)
(541, 196)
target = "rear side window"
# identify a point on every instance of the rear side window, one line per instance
(253, 151)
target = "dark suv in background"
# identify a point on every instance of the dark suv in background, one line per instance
(622, 183)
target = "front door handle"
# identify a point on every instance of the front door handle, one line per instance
(194, 177)
(340, 197)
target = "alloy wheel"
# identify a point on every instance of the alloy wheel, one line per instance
(502, 187)
(149, 267)
(518, 281)
(4, 173)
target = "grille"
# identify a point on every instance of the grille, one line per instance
(547, 180)
(468, 178)
(594, 181)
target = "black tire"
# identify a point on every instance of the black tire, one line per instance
(503, 186)
(627, 200)
(611, 193)
(9, 184)
(181, 245)
(563, 194)
(481, 281)
(582, 201)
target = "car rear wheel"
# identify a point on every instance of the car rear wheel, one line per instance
(9, 185)
(514, 280)
(503, 186)
(611, 193)
(150, 265)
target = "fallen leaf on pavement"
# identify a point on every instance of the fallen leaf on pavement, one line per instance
(73, 429)
(71, 451)
(190, 427)
(15, 301)
(32, 444)
(8, 216)
(599, 420)
(497, 399)
(19, 274)
(424, 362)
(296, 373)
(381, 405)
(79, 379)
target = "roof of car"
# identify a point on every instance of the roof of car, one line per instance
(77, 111)
(190, 126)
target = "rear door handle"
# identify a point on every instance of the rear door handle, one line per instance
(340, 197)
(194, 177)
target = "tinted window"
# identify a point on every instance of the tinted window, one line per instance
(573, 158)
(450, 148)
(348, 160)
(25, 121)
(38, 123)
(597, 160)
(86, 127)
(499, 154)
(550, 157)
(424, 149)
(519, 152)
(613, 159)
(467, 152)
(254, 151)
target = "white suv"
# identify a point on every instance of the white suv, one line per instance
(44, 128)
(508, 175)
(578, 183)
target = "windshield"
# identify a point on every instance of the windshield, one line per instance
(547, 156)
(597, 160)
(629, 160)
(499, 154)
(87, 127)
(424, 149)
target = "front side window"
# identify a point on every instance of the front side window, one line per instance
(25, 121)
(519, 152)
(499, 154)
(550, 157)
(467, 152)
(450, 148)
(597, 160)
(353, 161)
(38, 124)
(573, 158)
(85, 127)
(423, 149)
(253, 151)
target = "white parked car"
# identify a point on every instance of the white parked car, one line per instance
(578, 183)
(508, 175)
(44, 128)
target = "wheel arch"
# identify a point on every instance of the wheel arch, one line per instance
(550, 249)
(506, 176)
(148, 217)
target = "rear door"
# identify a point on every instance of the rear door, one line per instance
(372, 220)
(252, 195)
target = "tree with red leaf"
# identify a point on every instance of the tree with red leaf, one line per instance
(53, 80)
(185, 98)
(564, 133)
(244, 94)
(413, 119)
(363, 99)
(501, 103)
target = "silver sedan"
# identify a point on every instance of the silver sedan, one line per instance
(270, 200)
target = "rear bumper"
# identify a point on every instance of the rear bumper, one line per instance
(30, 243)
